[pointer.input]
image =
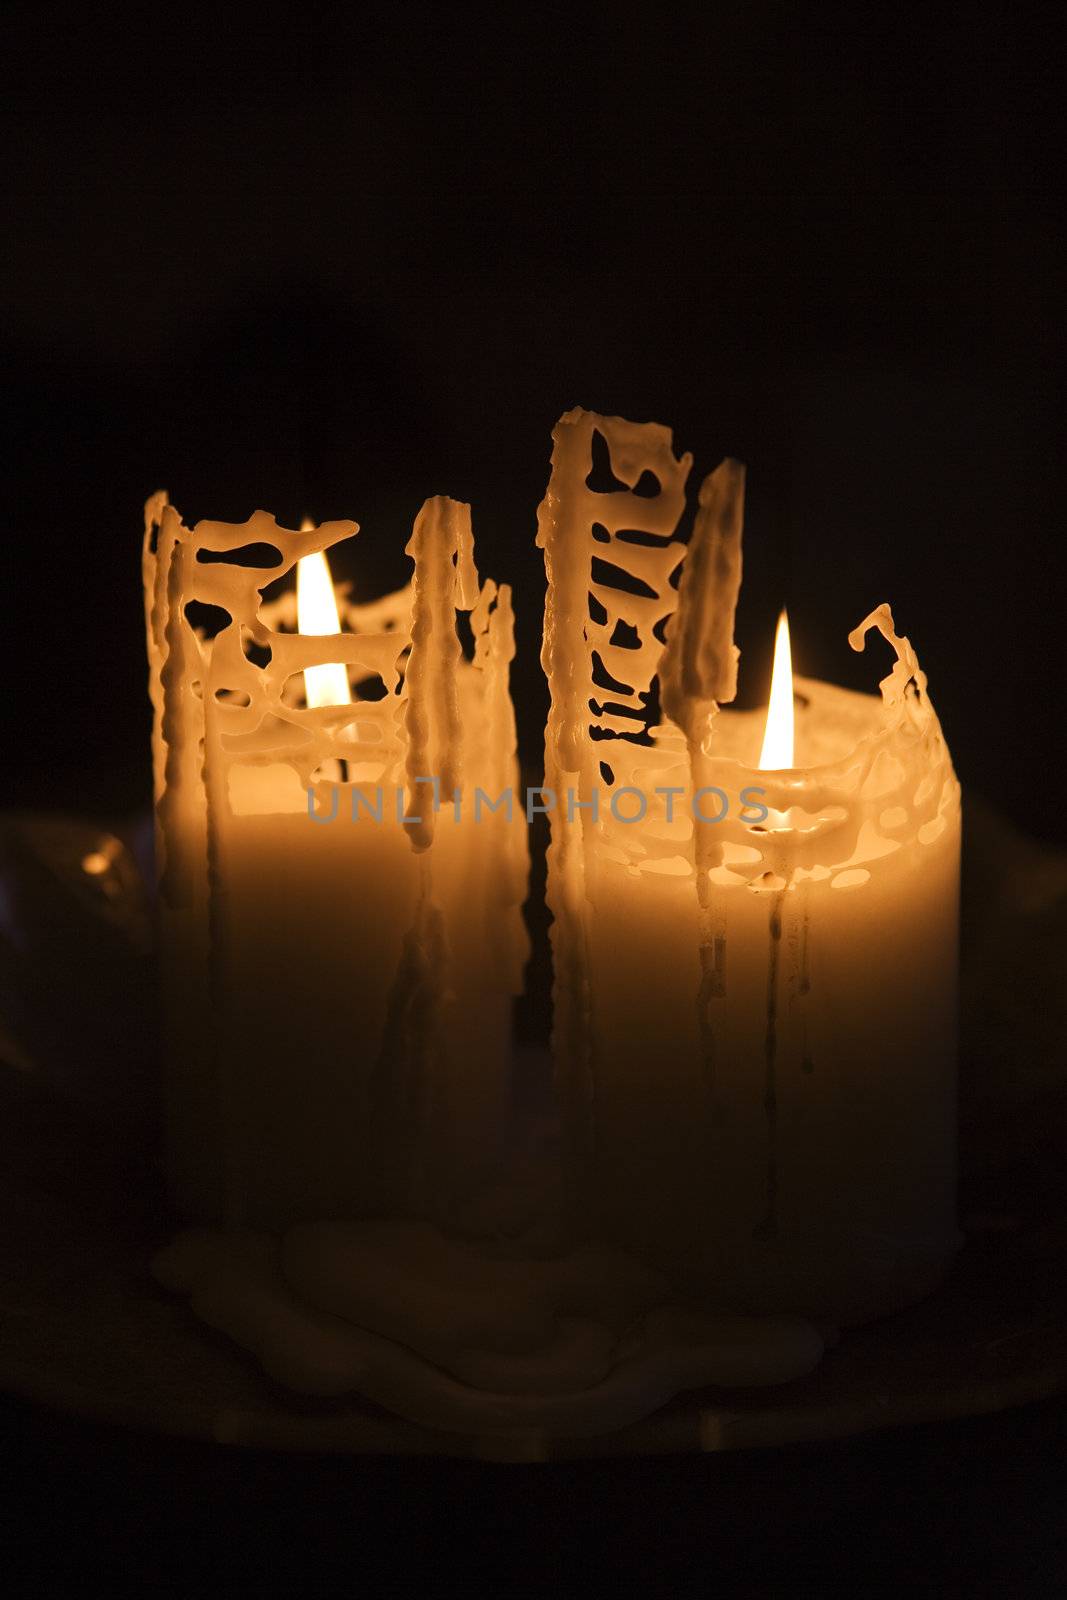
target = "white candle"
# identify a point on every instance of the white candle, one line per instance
(337, 992)
(755, 1020)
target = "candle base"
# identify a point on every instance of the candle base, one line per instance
(513, 1329)
(451, 1336)
(85, 1331)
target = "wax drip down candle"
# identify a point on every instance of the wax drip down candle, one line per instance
(338, 968)
(755, 960)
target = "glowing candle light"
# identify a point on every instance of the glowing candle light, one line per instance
(316, 613)
(777, 749)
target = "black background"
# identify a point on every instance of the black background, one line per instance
(327, 263)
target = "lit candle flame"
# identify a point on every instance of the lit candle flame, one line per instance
(316, 613)
(777, 749)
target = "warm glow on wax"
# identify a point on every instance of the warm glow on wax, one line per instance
(777, 749)
(316, 612)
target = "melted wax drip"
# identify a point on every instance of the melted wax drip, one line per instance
(410, 1062)
(698, 673)
(768, 1227)
(712, 987)
(566, 520)
(442, 547)
(221, 1043)
(804, 990)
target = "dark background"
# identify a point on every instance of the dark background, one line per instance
(331, 266)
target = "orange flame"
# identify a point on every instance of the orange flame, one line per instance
(316, 613)
(777, 749)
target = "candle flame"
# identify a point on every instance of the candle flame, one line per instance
(777, 749)
(316, 613)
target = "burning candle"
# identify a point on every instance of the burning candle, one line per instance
(755, 960)
(754, 946)
(341, 941)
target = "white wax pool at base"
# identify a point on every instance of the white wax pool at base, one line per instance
(453, 1337)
